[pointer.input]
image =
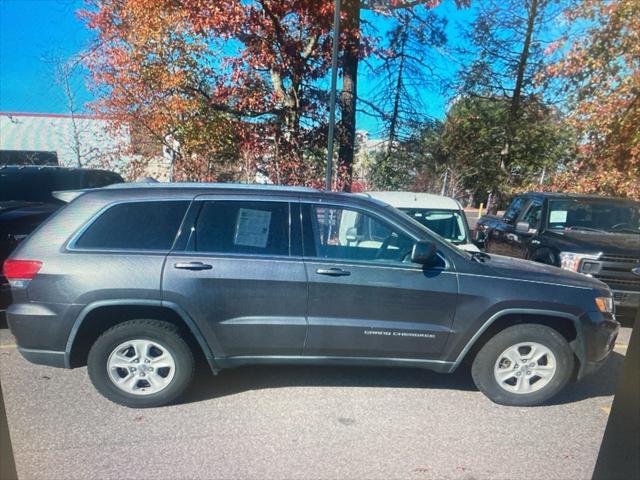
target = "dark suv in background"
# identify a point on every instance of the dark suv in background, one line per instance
(135, 281)
(26, 200)
(594, 235)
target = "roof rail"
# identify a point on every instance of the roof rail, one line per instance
(229, 186)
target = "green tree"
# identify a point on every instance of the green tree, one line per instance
(474, 136)
(504, 58)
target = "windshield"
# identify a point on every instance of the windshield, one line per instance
(449, 224)
(594, 215)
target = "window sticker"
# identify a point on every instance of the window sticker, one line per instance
(558, 216)
(252, 228)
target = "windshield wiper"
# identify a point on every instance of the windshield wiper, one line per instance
(480, 256)
(630, 230)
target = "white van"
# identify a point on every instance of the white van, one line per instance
(442, 215)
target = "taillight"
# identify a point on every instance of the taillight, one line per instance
(18, 272)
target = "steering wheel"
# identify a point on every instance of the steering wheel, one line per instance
(383, 248)
(621, 226)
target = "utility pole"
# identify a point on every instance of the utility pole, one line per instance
(444, 182)
(544, 171)
(332, 100)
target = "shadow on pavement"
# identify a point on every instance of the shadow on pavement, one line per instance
(602, 383)
(230, 382)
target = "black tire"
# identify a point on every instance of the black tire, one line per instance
(482, 369)
(166, 335)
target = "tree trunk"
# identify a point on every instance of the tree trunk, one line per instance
(514, 108)
(522, 63)
(349, 94)
(393, 123)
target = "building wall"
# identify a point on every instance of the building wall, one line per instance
(89, 143)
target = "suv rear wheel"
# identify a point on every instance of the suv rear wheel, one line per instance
(141, 363)
(523, 365)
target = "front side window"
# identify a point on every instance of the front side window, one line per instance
(533, 216)
(515, 208)
(449, 224)
(135, 226)
(243, 227)
(345, 234)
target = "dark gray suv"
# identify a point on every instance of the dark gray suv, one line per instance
(136, 281)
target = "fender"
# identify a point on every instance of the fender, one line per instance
(577, 345)
(191, 325)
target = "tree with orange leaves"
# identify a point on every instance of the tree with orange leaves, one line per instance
(217, 82)
(601, 73)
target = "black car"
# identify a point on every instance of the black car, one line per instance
(26, 200)
(135, 281)
(594, 235)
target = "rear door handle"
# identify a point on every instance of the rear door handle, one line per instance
(193, 266)
(333, 272)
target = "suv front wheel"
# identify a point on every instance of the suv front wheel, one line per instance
(523, 365)
(141, 363)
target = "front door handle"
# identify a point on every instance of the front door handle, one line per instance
(193, 266)
(333, 272)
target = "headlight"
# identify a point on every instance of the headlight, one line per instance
(605, 304)
(571, 261)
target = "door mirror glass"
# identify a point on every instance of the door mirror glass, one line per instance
(424, 253)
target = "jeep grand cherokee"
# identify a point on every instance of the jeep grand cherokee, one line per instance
(135, 281)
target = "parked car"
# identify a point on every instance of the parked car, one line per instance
(135, 281)
(594, 235)
(442, 215)
(26, 200)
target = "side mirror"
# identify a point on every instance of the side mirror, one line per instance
(424, 253)
(508, 219)
(524, 227)
(352, 234)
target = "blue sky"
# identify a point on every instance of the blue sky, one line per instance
(34, 33)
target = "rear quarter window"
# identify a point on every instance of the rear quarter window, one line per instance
(135, 226)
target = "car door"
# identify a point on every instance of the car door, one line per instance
(240, 275)
(527, 228)
(366, 298)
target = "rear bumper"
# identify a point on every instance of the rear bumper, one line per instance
(41, 331)
(31, 326)
(44, 357)
(5, 293)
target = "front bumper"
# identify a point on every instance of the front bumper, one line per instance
(627, 305)
(599, 337)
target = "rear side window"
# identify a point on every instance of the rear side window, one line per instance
(135, 226)
(240, 227)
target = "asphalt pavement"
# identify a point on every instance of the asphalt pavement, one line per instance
(297, 422)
